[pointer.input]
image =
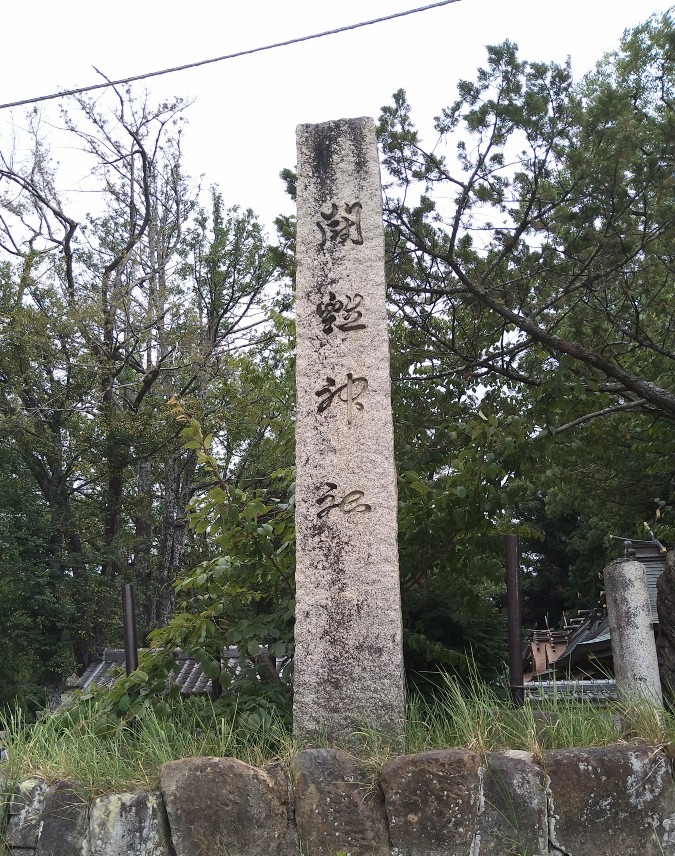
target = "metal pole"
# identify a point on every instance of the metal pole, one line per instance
(130, 636)
(515, 620)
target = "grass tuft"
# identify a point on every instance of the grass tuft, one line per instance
(474, 715)
(128, 757)
(470, 714)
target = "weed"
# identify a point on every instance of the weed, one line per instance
(128, 756)
(471, 715)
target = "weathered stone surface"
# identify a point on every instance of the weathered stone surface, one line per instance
(25, 814)
(513, 818)
(64, 822)
(610, 801)
(221, 805)
(432, 802)
(630, 623)
(129, 825)
(348, 650)
(337, 808)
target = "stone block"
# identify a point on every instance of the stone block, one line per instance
(432, 802)
(223, 806)
(337, 807)
(64, 821)
(25, 814)
(129, 825)
(609, 801)
(513, 817)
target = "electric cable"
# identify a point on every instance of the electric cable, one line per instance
(109, 83)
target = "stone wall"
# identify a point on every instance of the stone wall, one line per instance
(578, 802)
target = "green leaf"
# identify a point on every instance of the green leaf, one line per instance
(124, 703)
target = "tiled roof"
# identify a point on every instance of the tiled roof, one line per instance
(591, 636)
(190, 677)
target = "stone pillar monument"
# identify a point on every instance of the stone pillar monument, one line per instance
(630, 625)
(348, 653)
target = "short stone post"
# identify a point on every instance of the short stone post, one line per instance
(348, 656)
(630, 624)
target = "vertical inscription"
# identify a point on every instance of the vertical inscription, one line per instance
(348, 658)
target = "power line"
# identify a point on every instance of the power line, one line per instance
(295, 41)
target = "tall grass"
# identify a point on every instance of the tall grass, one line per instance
(471, 715)
(475, 716)
(128, 757)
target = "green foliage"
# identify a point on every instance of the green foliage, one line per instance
(530, 262)
(284, 252)
(36, 608)
(101, 323)
(464, 469)
(468, 714)
(243, 598)
(74, 745)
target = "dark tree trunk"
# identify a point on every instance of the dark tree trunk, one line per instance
(116, 460)
(665, 644)
(178, 484)
(143, 547)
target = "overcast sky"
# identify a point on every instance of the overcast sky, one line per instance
(242, 125)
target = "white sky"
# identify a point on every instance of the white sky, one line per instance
(242, 127)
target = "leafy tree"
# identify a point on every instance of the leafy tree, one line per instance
(530, 271)
(460, 465)
(532, 268)
(102, 323)
(243, 597)
(551, 267)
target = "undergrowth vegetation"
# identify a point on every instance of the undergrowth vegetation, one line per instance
(71, 745)
(473, 715)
